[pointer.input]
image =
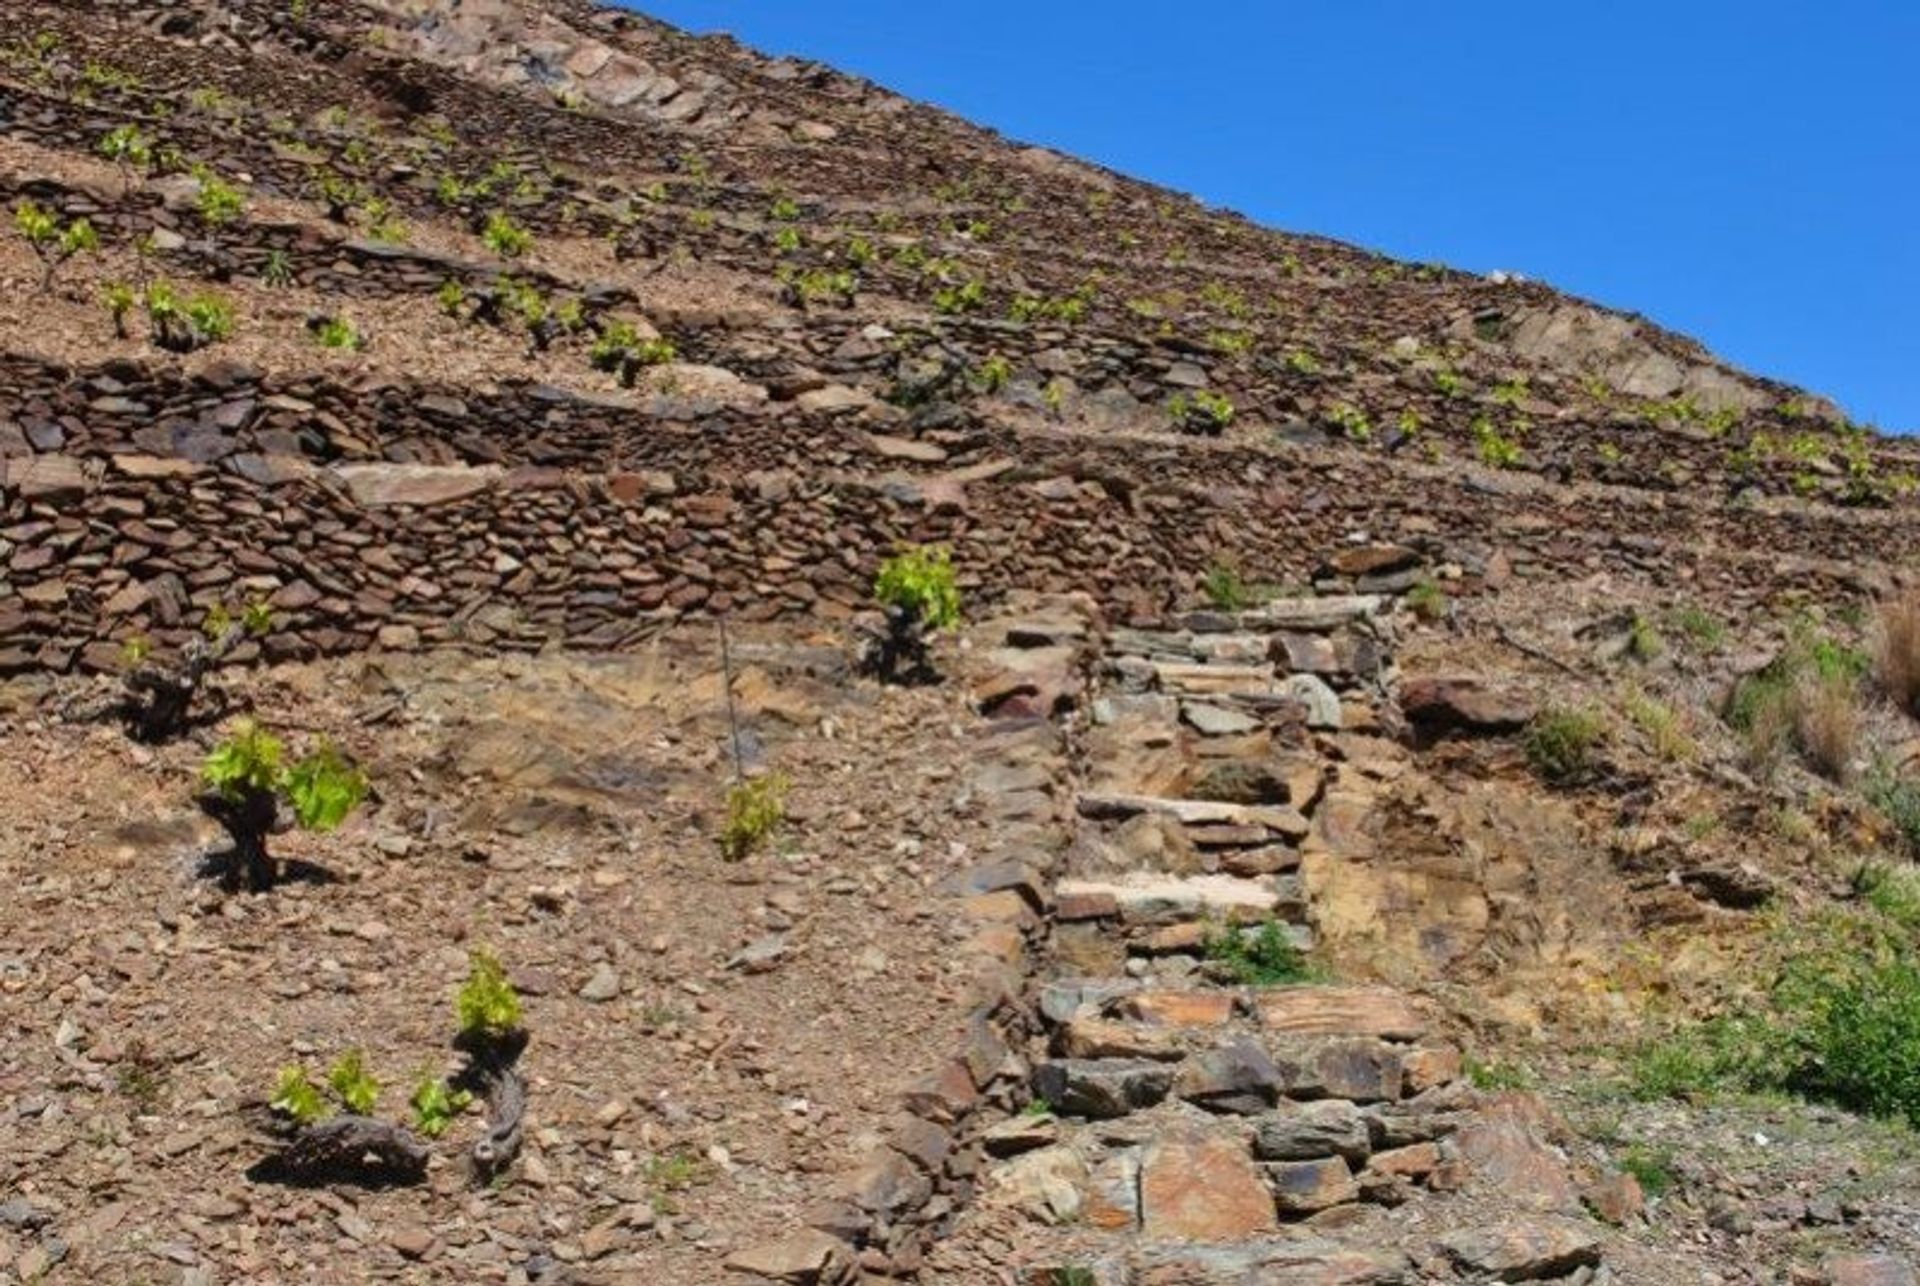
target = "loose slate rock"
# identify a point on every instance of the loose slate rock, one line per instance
(1306, 1131)
(1102, 1088)
(1524, 1252)
(1237, 1078)
(804, 1258)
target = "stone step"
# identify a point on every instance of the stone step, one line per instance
(1339, 1011)
(1147, 895)
(1311, 614)
(1187, 678)
(1280, 819)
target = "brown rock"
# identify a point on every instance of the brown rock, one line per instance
(804, 1258)
(47, 477)
(1203, 1190)
(379, 485)
(1339, 1011)
(1615, 1197)
(1304, 1187)
(1238, 1078)
(1089, 1037)
(1371, 560)
(1430, 1066)
(1868, 1270)
(1311, 1131)
(1501, 1153)
(1415, 1161)
(1113, 1192)
(1436, 707)
(1180, 1008)
(1523, 1252)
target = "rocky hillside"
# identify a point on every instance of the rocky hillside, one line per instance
(1419, 791)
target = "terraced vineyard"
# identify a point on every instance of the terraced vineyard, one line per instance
(1406, 729)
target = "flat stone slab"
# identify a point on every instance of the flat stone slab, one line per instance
(1339, 1011)
(1217, 721)
(1524, 1252)
(1280, 818)
(1203, 1190)
(1146, 893)
(1326, 613)
(379, 485)
(1296, 1261)
(1215, 680)
(1178, 1008)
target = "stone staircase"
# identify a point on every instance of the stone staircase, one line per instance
(1200, 1110)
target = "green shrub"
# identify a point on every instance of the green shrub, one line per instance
(1262, 957)
(1225, 589)
(921, 582)
(487, 1008)
(435, 1105)
(1201, 412)
(1351, 421)
(52, 242)
(921, 596)
(964, 296)
(621, 350)
(247, 773)
(1652, 1170)
(1698, 626)
(755, 810)
(129, 150)
(338, 333)
(218, 201)
(1427, 601)
(120, 299)
(1495, 448)
(1560, 744)
(296, 1097)
(993, 374)
(1898, 798)
(505, 237)
(353, 1083)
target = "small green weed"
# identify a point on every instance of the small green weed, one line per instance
(487, 1008)
(1262, 957)
(353, 1083)
(297, 1097)
(1560, 744)
(755, 810)
(921, 580)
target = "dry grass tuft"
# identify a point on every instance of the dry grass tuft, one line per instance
(1827, 719)
(1897, 657)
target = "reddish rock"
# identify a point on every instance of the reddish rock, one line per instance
(1339, 1011)
(1501, 1153)
(1615, 1198)
(1371, 560)
(1415, 1161)
(1203, 1190)
(1430, 1066)
(1180, 1008)
(1090, 1037)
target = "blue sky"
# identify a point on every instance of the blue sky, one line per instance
(1747, 173)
